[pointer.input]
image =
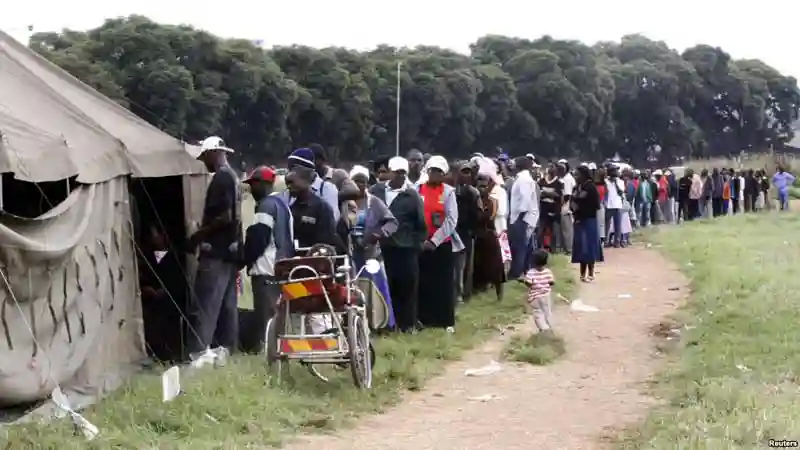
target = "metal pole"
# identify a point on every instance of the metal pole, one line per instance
(397, 124)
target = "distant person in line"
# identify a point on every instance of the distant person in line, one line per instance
(415, 166)
(213, 314)
(326, 190)
(401, 250)
(523, 218)
(437, 262)
(267, 240)
(586, 247)
(568, 181)
(370, 222)
(321, 166)
(783, 180)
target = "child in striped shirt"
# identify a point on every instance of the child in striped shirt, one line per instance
(540, 281)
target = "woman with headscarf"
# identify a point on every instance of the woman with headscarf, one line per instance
(488, 262)
(370, 221)
(585, 203)
(437, 260)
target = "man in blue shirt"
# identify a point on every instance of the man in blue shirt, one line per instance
(782, 181)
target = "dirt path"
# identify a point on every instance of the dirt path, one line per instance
(574, 403)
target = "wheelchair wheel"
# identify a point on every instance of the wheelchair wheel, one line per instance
(275, 327)
(361, 354)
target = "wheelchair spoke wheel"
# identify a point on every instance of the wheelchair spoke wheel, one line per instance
(271, 351)
(359, 346)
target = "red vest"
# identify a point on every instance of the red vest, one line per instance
(433, 203)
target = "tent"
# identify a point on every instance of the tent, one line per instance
(71, 313)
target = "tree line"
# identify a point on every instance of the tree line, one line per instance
(636, 98)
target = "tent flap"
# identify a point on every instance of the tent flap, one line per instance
(71, 312)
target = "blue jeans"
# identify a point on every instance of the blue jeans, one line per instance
(783, 199)
(644, 213)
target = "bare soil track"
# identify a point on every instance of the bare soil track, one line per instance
(597, 389)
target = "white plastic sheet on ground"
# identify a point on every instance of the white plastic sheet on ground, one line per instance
(485, 371)
(170, 384)
(578, 305)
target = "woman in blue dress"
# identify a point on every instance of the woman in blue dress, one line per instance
(584, 203)
(370, 221)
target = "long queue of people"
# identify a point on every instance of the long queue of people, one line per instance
(444, 231)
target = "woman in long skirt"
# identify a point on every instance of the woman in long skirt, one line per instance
(437, 261)
(488, 261)
(586, 247)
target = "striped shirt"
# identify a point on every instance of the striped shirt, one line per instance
(539, 282)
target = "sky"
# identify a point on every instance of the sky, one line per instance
(743, 30)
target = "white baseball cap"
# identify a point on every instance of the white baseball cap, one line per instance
(397, 163)
(657, 172)
(214, 143)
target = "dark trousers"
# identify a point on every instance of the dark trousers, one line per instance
(749, 202)
(614, 216)
(694, 209)
(402, 273)
(735, 202)
(549, 224)
(213, 317)
(265, 298)
(716, 206)
(683, 210)
(520, 242)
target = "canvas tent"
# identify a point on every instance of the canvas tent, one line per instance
(69, 276)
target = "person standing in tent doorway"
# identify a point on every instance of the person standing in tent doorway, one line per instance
(212, 313)
(267, 240)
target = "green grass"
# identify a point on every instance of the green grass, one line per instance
(538, 349)
(237, 407)
(734, 382)
(544, 348)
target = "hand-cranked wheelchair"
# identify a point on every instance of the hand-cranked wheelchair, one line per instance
(321, 284)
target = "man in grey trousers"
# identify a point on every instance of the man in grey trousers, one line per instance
(212, 312)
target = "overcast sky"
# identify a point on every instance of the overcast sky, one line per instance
(743, 29)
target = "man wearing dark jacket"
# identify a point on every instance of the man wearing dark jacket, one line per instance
(468, 199)
(401, 250)
(267, 240)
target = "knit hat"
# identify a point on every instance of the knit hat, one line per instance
(303, 157)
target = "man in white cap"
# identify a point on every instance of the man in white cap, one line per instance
(401, 250)
(213, 313)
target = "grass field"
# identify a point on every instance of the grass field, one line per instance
(237, 407)
(734, 383)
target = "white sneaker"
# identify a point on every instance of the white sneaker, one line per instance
(450, 330)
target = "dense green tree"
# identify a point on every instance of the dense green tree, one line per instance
(637, 98)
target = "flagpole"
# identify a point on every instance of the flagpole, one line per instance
(397, 124)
